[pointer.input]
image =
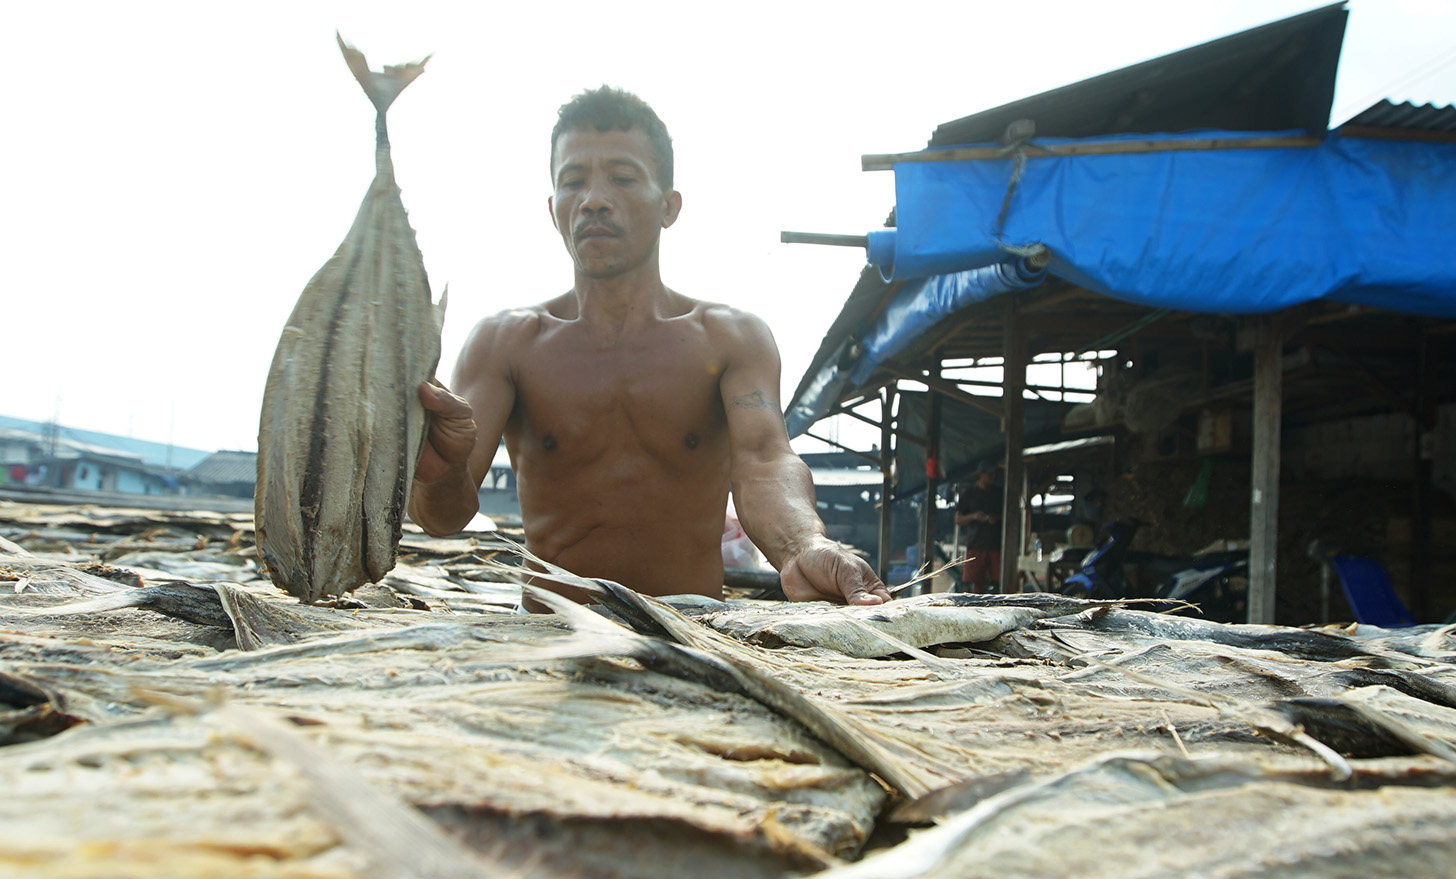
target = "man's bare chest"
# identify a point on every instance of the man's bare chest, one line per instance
(662, 393)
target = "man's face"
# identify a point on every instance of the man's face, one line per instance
(985, 478)
(608, 204)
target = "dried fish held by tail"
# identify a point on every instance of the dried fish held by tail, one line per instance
(342, 426)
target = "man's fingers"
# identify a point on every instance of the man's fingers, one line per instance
(861, 596)
(869, 590)
(437, 398)
(430, 397)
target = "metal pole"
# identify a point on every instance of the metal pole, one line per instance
(824, 238)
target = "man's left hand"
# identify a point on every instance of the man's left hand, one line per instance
(827, 571)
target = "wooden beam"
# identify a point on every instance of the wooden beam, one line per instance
(1268, 344)
(944, 386)
(1013, 424)
(841, 410)
(887, 161)
(873, 459)
(887, 481)
(930, 518)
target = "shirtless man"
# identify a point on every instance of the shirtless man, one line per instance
(628, 409)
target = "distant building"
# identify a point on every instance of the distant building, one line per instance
(153, 453)
(36, 460)
(232, 474)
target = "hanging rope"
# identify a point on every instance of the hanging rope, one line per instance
(1017, 150)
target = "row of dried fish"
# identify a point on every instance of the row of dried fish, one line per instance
(754, 738)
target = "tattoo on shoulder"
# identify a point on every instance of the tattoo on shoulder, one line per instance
(754, 400)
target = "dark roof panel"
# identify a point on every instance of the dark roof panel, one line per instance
(1272, 78)
(1406, 117)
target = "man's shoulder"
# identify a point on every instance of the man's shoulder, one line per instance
(503, 336)
(517, 321)
(721, 318)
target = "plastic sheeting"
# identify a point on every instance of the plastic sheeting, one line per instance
(917, 307)
(1230, 231)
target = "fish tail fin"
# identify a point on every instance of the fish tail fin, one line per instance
(384, 86)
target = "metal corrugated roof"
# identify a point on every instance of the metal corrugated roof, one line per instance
(226, 467)
(1272, 78)
(1275, 77)
(1406, 117)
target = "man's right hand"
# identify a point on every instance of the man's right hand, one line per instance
(452, 433)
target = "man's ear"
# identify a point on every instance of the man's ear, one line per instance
(551, 209)
(671, 209)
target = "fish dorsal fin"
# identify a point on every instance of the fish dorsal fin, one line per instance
(384, 86)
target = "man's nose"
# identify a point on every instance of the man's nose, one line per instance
(594, 201)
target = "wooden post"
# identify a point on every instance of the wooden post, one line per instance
(1268, 345)
(1423, 477)
(887, 483)
(1013, 425)
(932, 486)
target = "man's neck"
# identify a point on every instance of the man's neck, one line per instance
(621, 301)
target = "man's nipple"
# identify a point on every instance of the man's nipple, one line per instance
(691, 441)
(548, 442)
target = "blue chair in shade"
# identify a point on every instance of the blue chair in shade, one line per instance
(1367, 588)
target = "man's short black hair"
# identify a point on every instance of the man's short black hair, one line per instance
(609, 109)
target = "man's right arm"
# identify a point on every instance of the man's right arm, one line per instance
(465, 431)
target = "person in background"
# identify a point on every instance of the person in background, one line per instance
(978, 511)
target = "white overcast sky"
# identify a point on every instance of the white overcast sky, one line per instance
(177, 171)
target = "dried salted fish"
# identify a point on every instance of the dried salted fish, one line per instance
(1107, 744)
(874, 630)
(724, 664)
(1142, 815)
(341, 426)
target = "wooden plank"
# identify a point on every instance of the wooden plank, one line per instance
(1013, 424)
(1268, 345)
(887, 161)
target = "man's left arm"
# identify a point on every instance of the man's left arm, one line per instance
(773, 490)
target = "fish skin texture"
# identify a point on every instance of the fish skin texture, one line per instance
(342, 426)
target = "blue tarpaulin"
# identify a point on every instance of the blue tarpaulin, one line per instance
(916, 308)
(1228, 231)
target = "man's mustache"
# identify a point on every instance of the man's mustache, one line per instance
(594, 227)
